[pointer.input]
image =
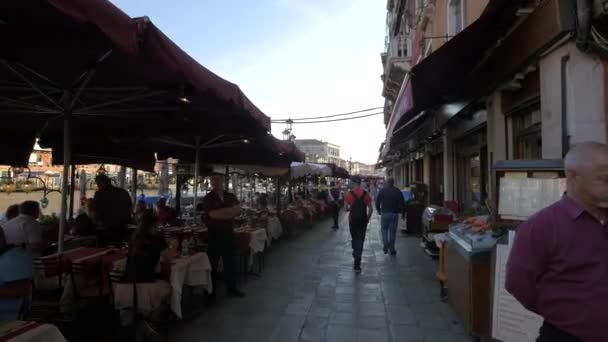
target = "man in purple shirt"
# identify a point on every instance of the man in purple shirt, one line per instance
(558, 267)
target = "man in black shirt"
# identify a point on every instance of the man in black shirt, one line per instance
(390, 204)
(112, 210)
(219, 210)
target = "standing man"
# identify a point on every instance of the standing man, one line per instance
(334, 202)
(112, 210)
(390, 203)
(359, 205)
(558, 266)
(219, 210)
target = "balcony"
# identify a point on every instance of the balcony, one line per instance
(396, 62)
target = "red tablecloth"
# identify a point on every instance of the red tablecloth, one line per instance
(81, 254)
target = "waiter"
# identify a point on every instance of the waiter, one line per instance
(219, 210)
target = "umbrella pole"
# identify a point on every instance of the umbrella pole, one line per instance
(67, 161)
(122, 176)
(197, 165)
(227, 179)
(72, 191)
(134, 186)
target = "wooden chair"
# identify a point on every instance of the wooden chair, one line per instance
(45, 302)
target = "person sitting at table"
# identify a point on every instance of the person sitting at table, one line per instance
(166, 214)
(16, 272)
(112, 209)
(140, 208)
(219, 210)
(11, 212)
(84, 224)
(25, 230)
(145, 250)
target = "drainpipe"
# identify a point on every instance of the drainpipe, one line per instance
(583, 27)
(564, 83)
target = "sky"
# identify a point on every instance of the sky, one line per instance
(292, 58)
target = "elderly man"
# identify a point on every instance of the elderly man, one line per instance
(558, 267)
(219, 210)
(16, 272)
(25, 230)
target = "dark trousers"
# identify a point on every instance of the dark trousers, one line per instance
(550, 333)
(357, 233)
(335, 212)
(222, 245)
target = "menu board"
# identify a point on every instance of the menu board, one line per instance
(511, 322)
(520, 198)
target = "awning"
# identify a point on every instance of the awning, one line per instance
(299, 170)
(436, 79)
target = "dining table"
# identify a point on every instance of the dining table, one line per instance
(23, 331)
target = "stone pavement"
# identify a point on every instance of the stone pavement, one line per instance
(309, 292)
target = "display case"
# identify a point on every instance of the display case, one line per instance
(435, 220)
(472, 246)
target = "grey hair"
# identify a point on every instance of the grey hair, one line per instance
(580, 156)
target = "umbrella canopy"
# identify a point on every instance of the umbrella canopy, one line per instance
(299, 170)
(337, 171)
(114, 76)
(265, 151)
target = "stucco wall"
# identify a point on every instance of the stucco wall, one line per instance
(473, 10)
(585, 99)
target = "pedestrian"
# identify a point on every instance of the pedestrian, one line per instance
(559, 260)
(359, 205)
(389, 204)
(112, 210)
(219, 209)
(334, 202)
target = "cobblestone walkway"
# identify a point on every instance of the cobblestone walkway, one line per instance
(309, 292)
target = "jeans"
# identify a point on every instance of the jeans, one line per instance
(335, 212)
(357, 233)
(389, 222)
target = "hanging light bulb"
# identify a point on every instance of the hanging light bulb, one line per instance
(27, 186)
(10, 188)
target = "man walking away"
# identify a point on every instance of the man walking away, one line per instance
(359, 205)
(334, 202)
(390, 204)
(558, 264)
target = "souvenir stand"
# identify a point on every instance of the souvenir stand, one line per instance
(522, 188)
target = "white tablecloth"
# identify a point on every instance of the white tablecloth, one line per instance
(29, 332)
(274, 229)
(194, 270)
(259, 237)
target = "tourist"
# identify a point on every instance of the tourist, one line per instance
(140, 208)
(11, 212)
(145, 250)
(334, 202)
(84, 224)
(559, 259)
(166, 214)
(16, 272)
(359, 205)
(25, 230)
(113, 210)
(219, 210)
(390, 203)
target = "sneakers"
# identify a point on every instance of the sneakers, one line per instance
(357, 267)
(393, 252)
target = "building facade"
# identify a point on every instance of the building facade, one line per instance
(519, 80)
(319, 151)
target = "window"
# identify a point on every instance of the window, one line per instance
(455, 17)
(527, 137)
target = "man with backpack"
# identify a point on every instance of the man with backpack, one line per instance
(359, 205)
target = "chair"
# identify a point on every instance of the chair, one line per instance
(82, 271)
(45, 302)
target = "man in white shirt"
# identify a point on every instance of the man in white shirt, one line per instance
(25, 230)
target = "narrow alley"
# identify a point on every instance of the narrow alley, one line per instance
(309, 292)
